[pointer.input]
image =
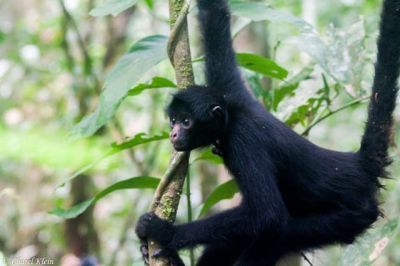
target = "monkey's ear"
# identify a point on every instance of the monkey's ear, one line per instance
(217, 112)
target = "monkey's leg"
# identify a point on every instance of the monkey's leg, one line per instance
(222, 254)
(305, 233)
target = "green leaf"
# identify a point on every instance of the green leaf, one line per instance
(261, 65)
(208, 155)
(258, 12)
(143, 55)
(281, 93)
(304, 74)
(149, 3)
(224, 191)
(140, 182)
(112, 7)
(291, 85)
(155, 83)
(73, 211)
(138, 139)
(341, 53)
(368, 247)
(308, 40)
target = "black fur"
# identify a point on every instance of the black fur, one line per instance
(296, 195)
(375, 141)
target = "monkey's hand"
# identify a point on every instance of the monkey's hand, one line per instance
(217, 151)
(150, 226)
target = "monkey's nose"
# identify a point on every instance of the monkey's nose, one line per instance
(174, 136)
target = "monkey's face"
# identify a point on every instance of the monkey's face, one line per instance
(183, 129)
(196, 119)
(188, 132)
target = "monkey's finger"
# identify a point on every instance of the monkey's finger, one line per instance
(146, 260)
(144, 250)
(217, 151)
(159, 253)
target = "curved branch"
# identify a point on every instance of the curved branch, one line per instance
(168, 193)
(175, 31)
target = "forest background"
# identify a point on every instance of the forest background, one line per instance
(83, 142)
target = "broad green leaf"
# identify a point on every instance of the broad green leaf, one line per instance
(138, 139)
(143, 55)
(302, 106)
(155, 83)
(224, 191)
(112, 7)
(308, 40)
(207, 155)
(257, 11)
(281, 93)
(304, 74)
(261, 65)
(73, 211)
(369, 247)
(291, 85)
(149, 3)
(305, 110)
(341, 53)
(140, 182)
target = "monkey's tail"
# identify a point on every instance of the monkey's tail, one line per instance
(376, 139)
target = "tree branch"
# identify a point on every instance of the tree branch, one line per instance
(168, 193)
(347, 105)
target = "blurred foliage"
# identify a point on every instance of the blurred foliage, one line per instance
(139, 182)
(70, 67)
(112, 7)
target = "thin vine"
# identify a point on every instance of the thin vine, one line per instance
(169, 191)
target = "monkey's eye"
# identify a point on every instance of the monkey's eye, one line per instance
(187, 123)
(172, 122)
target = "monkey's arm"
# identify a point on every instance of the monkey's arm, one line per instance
(222, 72)
(260, 213)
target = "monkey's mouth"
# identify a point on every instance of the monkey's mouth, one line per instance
(179, 146)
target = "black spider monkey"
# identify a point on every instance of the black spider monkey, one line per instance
(296, 196)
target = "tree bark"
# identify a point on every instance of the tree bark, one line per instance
(168, 193)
